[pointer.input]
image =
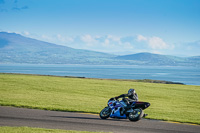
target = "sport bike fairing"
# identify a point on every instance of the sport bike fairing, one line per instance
(116, 107)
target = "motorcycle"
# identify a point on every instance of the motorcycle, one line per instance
(115, 109)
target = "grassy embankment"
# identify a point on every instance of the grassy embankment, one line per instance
(37, 130)
(178, 103)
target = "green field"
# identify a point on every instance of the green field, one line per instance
(37, 130)
(178, 103)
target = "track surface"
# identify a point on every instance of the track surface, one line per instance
(10, 116)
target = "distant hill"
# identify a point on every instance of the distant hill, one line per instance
(194, 58)
(15, 48)
(157, 59)
(150, 58)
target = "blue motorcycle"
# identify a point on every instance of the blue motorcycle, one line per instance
(115, 109)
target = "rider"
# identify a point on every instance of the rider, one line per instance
(132, 97)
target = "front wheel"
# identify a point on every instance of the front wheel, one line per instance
(136, 114)
(105, 113)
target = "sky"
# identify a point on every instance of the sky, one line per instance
(168, 27)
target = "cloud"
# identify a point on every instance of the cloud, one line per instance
(114, 38)
(153, 42)
(120, 45)
(107, 42)
(25, 33)
(64, 39)
(190, 46)
(157, 43)
(141, 38)
(87, 39)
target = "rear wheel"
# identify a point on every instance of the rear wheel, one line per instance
(105, 113)
(136, 114)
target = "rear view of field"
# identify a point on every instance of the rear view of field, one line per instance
(168, 102)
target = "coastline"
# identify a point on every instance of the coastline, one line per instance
(133, 80)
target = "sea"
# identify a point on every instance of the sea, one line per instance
(186, 75)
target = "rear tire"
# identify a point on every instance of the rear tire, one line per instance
(105, 113)
(136, 115)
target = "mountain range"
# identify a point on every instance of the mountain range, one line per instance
(15, 48)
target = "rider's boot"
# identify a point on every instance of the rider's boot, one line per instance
(145, 115)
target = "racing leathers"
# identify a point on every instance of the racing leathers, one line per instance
(128, 100)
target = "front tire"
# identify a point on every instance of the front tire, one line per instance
(105, 113)
(136, 114)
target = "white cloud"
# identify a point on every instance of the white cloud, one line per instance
(100, 41)
(26, 33)
(157, 43)
(64, 39)
(97, 37)
(153, 42)
(106, 42)
(128, 46)
(156, 52)
(141, 38)
(46, 38)
(87, 39)
(114, 38)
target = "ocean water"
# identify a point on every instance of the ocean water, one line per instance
(186, 75)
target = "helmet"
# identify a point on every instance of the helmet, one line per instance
(131, 92)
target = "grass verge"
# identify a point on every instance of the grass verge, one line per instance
(170, 102)
(37, 130)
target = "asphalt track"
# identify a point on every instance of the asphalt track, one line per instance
(10, 116)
